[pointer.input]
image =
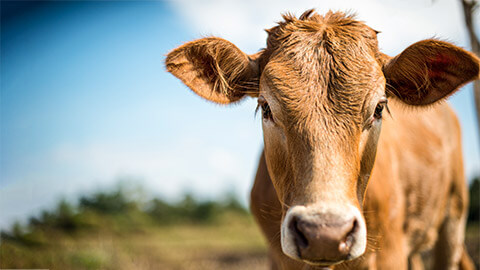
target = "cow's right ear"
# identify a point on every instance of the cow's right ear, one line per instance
(428, 71)
(215, 69)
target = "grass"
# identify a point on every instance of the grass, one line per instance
(234, 242)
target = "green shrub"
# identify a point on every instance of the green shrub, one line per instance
(474, 209)
(115, 210)
(107, 202)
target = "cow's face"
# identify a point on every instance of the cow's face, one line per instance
(322, 86)
(322, 94)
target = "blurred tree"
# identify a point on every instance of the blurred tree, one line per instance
(195, 211)
(66, 218)
(191, 210)
(233, 204)
(474, 209)
(47, 218)
(163, 212)
(469, 9)
(17, 230)
(205, 211)
(115, 202)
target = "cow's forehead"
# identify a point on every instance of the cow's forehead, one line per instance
(322, 66)
(335, 29)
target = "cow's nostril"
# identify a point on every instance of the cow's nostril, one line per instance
(323, 237)
(299, 237)
(347, 243)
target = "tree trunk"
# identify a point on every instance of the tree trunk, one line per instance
(469, 7)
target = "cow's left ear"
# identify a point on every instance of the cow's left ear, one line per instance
(215, 69)
(428, 71)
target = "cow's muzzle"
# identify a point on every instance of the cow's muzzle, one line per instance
(323, 235)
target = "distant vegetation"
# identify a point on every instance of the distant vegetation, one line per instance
(119, 229)
(117, 210)
(474, 209)
(472, 237)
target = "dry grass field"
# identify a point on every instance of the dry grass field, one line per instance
(110, 230)
(231, 243)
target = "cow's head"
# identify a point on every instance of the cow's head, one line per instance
(322, 86)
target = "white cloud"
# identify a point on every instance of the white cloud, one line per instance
(401, 22)
(166, 169)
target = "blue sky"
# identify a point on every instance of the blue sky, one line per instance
(85, 99)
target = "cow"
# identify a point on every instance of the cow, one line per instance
(362, 163)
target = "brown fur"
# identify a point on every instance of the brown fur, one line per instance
(322, 78)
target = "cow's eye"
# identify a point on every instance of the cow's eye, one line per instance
(379, 110)
(266, 111)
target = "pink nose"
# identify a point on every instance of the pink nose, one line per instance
(324, 238)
